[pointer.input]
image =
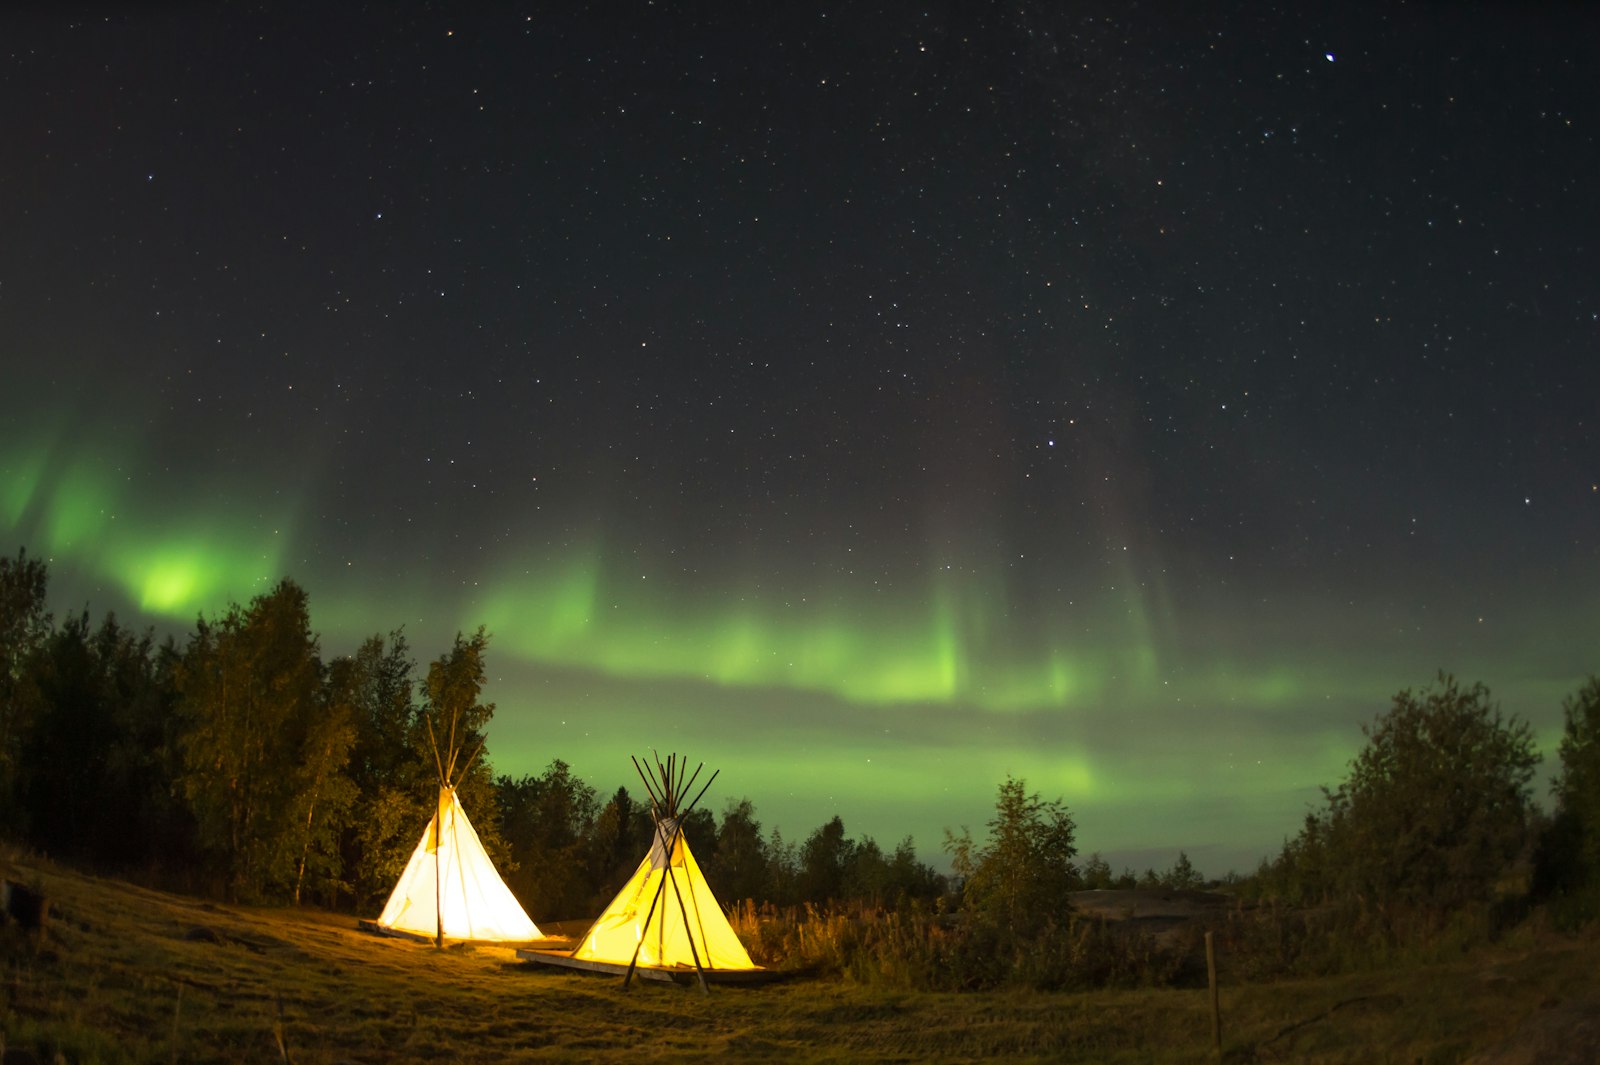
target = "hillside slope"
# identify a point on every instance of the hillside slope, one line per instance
(128, 974)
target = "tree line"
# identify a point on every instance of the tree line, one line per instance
(241, 763)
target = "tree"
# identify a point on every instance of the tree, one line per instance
(1096, 873)
(1182, 876)
(24, 626)
(145, 757)
(783, 870)
(378, 681)
(866, 874)
(324, 793)
(1025, 870)
(620, 838)
(910, 878)
(823, 858)
(97, 781)
(390, 764)
(255, 738)
(64, 748)
(1435, 807)
(1570, 850)
(453, 719)
(739, 864)
(547, 822)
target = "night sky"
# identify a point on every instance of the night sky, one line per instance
(871, 401)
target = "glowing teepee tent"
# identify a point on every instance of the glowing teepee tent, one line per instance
(450, 889)
(665, 920)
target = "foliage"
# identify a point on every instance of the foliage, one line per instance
(100, 762)
(388, 825)
(24, 626)
(739, 863)
(451, 741)
(324, 793)
(240, 762)
(1025, 870)
(1434, 810)
(261, 745)
(378, 681)
(922, 948)
(823, 858)
(1096, 873)
(1578, 787)
(393, 774)
(1182, 876)
(1569, 846)
(617, 842)
(547, 821)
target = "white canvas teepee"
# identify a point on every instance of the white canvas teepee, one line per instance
(450, 889)
(666, 916)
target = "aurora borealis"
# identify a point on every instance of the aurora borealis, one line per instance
(870, 403)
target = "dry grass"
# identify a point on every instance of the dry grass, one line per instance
(126, 974)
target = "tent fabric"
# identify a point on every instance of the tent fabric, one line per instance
(662, 936)
(475, 902)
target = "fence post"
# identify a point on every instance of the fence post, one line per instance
(1216, 1010)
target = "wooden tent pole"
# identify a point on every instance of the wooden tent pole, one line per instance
(697, 798)
(451, 767)
(688, 929)
(434, 743)
(438, 890)
(467, 767)
(692, 777)
(438, 872)
(642, 776)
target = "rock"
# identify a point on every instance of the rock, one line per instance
(24, 905)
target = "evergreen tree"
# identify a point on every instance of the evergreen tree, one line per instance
(1096, 873)
(97, 780)
(783, 870)
(1182, 876)
(739, 865)
(823, 858)
(548, 821)
(619, 839)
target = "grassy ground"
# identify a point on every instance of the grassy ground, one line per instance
(126, 974)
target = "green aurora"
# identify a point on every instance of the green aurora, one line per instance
(899, 712)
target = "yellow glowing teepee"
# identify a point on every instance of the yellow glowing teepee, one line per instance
(666, 917)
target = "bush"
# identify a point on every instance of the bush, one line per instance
(917, 948)
(1435, 810)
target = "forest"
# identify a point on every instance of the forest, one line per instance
(239, 764)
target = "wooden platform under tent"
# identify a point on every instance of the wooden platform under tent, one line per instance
(686, 975)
